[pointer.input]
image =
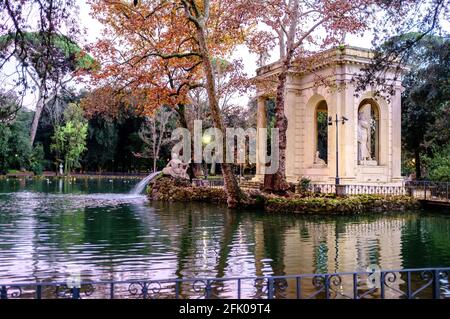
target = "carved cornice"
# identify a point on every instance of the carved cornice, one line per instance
(347, 55)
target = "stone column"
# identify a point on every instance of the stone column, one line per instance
(349, 144)
(333, 108)
(261, 139)
(397, 136)
(289, 109)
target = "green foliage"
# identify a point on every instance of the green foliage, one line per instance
(271, 122)
(38, 42)
(439, 165)
(128, 145)
(102, 143)
(69, 141)
(9, 106)
(37, 160)
(425, 103)
(15, 148)
(82, 60)
(5, 133)
(350, 204)
(304, 185)
(167, 189)
(322, 138)
(111, 144)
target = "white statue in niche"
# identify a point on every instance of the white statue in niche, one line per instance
(364, 135)
(318, 162)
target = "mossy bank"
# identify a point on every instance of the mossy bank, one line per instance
(168, 190)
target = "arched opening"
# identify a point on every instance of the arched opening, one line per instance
(368, 133)
(321, 134)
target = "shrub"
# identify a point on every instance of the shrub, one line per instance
(439, 165)
(304, 185)
(351, 204)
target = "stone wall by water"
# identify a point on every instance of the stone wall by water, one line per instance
(345, 205)
(169, 190)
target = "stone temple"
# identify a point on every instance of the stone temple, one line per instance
(369, 142)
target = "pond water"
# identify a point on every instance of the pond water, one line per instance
(51, 229)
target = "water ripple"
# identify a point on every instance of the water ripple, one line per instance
(46, 233)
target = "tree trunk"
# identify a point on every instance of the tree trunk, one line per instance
(38, 113)
(232, 189)
(36, 119)
(418, 164)
(277, 182)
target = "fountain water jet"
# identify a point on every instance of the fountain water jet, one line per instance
(139, 188)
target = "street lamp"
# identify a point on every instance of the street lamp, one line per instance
(338, 120)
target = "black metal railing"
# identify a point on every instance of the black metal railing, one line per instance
(359, 189)
(430, 191)
(395, 284)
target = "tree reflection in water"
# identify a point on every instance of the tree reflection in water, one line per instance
(47, 231)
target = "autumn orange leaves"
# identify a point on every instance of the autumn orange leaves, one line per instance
(153, 53)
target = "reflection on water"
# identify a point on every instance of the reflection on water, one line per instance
(51, 229)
